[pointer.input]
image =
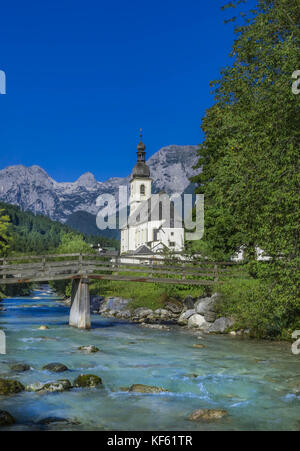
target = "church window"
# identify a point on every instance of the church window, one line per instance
(160, 211)
(172, 214)
(142, 190)
(155, 234)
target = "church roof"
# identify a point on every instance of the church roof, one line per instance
(142, 250)
(141, 170)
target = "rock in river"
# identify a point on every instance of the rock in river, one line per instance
(140, 388)
(56, 367)
(89, 349)
(57, 386)
(10, 387)
(221, 325)
(184, 317)
(196, 321)
(50, 420)
(6, 419)
(87, 380)
(207, 415)
(199, 346)
(20, 367)
(155, 326)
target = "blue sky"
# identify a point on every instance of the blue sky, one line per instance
(83, 77)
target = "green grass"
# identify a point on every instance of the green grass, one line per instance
(259, 306)
(142, 294)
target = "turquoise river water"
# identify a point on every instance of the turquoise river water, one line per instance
(254, 381)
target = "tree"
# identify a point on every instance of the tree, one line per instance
(250, 155)
(4, 232)
(73, 243)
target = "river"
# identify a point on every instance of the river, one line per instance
(254, 381)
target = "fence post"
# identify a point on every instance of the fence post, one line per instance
(151, 269)
(183, 273)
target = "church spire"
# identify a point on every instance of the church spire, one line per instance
(141, 149)
(141, 170)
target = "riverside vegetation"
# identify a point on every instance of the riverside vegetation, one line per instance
(250, 169)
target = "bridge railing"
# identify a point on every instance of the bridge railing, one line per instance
(31, 268)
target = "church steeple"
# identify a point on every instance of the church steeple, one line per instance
(141, 149)
(141, 170)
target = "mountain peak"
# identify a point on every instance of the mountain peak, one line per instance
(87, 179)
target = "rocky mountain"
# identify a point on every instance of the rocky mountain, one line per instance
(33, 189)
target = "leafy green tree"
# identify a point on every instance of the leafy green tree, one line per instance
(4, 232)
(73, 243)
(250, 155)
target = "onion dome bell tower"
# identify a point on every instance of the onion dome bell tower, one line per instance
(140, 183)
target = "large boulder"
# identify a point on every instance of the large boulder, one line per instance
(210, 317)
(141, 388)
(163, 314)
(87, 380)
(96, 303)
(174, 307)
(205, 305)
(56, 367)
(221, 325)
(207, 415)
(124, 314)
(142, 312)
(196, 321)
(6, 419)
(10, 387)
(184, 317)
(117, 304)
(189, 302)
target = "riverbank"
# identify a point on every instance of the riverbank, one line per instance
(198, 315)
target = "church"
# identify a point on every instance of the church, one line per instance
(153, 225)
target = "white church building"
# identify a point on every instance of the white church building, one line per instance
(153, 224)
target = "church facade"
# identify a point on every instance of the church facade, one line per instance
(153, 225)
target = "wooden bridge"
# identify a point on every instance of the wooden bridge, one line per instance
(81, 268)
